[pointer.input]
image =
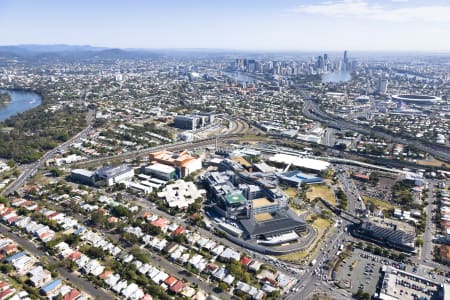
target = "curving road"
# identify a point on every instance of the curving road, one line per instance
(312, 111)
(31, 169)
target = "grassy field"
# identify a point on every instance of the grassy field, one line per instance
(296, 256)
(298, 211)
(41, 179)
(321, 225)
(291, 192)
(383, 205)
(433, 163)
(321, 191)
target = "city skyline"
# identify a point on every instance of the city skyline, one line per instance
(287, 26)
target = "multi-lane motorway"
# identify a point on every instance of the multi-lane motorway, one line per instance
(312, 111)
(31, 169)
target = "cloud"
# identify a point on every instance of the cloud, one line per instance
(362, 9)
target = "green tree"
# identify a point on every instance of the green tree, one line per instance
(11, 163)
(95, 252)
(4, 200)
(419, 242)
(5, 268)
(236, 269)
(120, 211)
(223, 286)
(56, 172)
(98, 218)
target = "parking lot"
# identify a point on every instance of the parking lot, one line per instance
(407, 286)
(362, 270)
(359, 271)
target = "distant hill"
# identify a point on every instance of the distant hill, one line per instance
(62, 51)
(58, 48)
(77, 52)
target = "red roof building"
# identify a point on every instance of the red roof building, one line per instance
(5, 294)
(112, 220)
(4, 285)
(361, 177)
(160, 222)
(74, 255)
(7, 211)
(178, 231)
(177, 287)
(105, 275)
(245, 261)
(72, 295)
(170, 280)
(53, 215)
(9, 249)
(12, 219)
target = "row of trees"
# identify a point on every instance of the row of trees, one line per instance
(343, 202)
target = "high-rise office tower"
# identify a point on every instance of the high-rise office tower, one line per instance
(382, 86)
(346, 63)
(320, 64)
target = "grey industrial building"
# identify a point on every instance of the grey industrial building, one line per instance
(391, 237)
(192, 122)
(110, 175)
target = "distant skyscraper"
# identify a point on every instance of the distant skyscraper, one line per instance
(382, 86)
(320, 64)
(346, 66)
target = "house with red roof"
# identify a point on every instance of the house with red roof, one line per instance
(74, 294)
(105, 275)
(7, 210)
(161, 223)
(53, 215)
(112, 219)
(74, 255)
(177, 287)
(9, 249)
(46, 236)
(4, 285)
(11, 219)
(170, 281)
(178, 231)
(246, 261)
(5, 294)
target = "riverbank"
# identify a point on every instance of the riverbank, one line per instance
(5, 98)
(39, 125)
(17, 101)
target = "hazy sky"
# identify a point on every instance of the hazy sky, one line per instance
(230, 24)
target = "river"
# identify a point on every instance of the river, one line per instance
(20, 102)
(240, 77)
(336, 77)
